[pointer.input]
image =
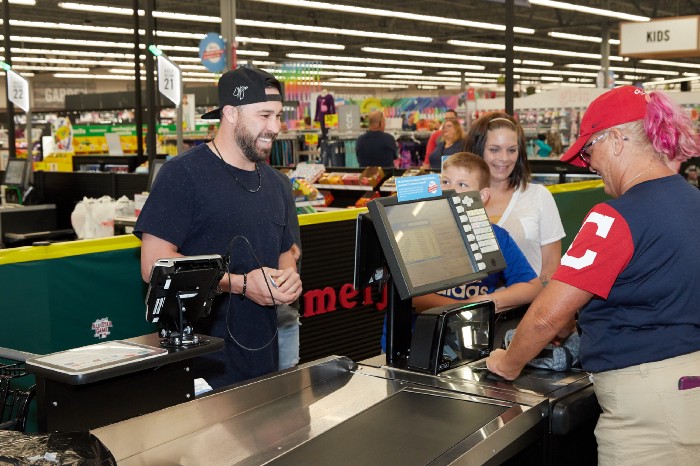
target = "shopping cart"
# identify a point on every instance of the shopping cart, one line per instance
(14, 397)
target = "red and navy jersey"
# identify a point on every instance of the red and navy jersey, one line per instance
(639, 256)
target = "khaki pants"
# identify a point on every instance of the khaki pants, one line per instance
(646, 419)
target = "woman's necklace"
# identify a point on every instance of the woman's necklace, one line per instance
(635, 177)
(228, 170)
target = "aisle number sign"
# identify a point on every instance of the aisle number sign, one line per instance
(331, 120)
(169, 80)
(311, 138)
(18, 90)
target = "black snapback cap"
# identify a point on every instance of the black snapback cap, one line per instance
(244, 86)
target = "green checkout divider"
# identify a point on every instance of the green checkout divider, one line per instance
(67, 295)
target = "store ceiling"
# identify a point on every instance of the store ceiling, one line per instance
(541, 19)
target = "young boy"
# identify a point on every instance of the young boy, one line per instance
(517, 284)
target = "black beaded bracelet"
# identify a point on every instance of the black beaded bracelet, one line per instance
(245, 284)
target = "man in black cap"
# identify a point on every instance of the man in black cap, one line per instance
(222, 198)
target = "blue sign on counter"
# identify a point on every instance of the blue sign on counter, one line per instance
(411, 188)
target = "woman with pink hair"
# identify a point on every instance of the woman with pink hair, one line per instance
(631, 277)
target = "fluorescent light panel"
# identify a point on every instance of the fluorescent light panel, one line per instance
(395, 14)
(670, 63)
(290, 43)
(564, 35)
(334, 31)
(539, 51)
(420, 53)
(305, 56)
(589, 10)
(623, 69)
(555, 72)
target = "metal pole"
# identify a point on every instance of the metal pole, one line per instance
(28, 136)
(228, 28)
(138, 105)
(151, 106)
(605, 54)
(510, 42)
(8, 59)
(180, 121)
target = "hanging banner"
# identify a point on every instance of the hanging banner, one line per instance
(661, 38)
(169, 80)
(211, 52)
(18, 90)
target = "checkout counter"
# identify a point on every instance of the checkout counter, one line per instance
(406, 407)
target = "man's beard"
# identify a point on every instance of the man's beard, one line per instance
(246, 142)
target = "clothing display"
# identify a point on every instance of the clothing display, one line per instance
(376, 149)
(196, 195)
(325, 105)
(532, 219)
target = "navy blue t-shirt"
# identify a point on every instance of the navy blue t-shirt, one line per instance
(376, 149)
(197, 205)
(638, 254)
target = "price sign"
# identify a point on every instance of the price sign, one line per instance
(169, 79)
(331, 120)
(311, 138)
(18, 89)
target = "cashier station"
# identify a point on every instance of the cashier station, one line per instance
(22, 224)
(428, 400)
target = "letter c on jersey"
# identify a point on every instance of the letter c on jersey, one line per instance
(604, 224)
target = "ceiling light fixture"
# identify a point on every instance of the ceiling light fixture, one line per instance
(335, 31)
(539, 51)
(94, 76)
(339, 84)
(564, 35)
(290, 43)
(671, 81)
(51, 68)
(623, 69)
(589, 10)
(555, 72)
(420, 53)
(129, 12)
(378, 69)
(395, 14)
(670, 63)
(305, 56)
(73, 53)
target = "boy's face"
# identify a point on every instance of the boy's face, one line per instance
(460, 179)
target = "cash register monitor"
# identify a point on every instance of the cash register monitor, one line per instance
(181, 291)
(153, 172)
(15, 173)
(430, 245)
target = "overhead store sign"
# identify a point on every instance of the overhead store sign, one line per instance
(18, 90)
(169, 80)
(212, 52)
(661, 38)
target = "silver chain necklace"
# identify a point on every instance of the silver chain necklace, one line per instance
(228, 170)
(635, 177)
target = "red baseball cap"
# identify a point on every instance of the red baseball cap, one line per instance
(617, 106)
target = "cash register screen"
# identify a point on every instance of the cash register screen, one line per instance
(14, 173)
(425, 246)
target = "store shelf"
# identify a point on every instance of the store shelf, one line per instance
(320, 201)
(345, 187)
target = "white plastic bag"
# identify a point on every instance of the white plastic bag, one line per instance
(94, 218)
